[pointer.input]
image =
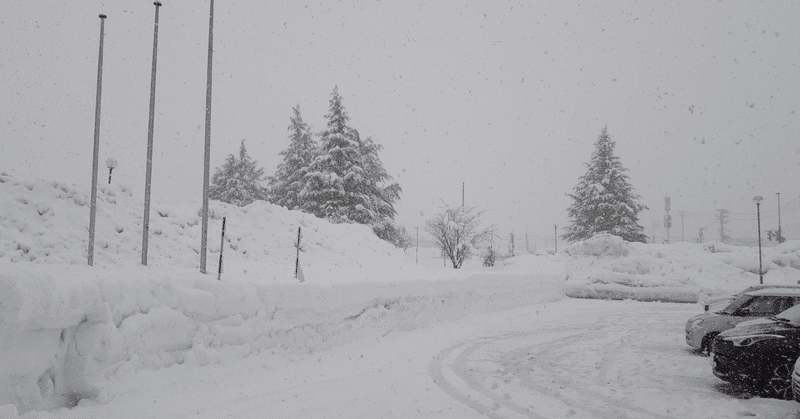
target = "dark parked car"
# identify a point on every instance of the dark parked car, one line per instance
(796, 381)
(760, 356)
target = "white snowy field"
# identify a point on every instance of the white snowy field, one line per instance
(368, 334)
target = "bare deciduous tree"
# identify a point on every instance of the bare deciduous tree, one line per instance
(457, 232)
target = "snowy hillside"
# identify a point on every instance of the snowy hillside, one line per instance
(48, 222)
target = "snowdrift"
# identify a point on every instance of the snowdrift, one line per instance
(606, 266)
(63, 338)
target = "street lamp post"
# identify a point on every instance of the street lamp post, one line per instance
(780, 236)
(555, 237)
(757, 199)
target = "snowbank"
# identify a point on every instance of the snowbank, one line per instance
(61, 338)
(64, 338)
(606, 266)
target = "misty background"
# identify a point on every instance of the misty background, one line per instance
(504, 97)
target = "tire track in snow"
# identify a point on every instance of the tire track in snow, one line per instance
(542, 361)
(451, 370)
(436, 371)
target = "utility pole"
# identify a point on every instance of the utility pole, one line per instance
(527, 243)
(683, 213)
(555, 238)
(757, 199)
(667, 217)
(780, 236)
(462, 194)
(722, 214)
(655, 223)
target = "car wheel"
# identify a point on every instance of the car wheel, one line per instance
(705, 344)
(780, 381)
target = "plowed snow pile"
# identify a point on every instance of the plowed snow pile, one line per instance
(606, 266)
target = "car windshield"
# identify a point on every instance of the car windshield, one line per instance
(735, 304)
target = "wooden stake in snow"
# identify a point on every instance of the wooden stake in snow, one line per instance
(221, 247)
(298, 271)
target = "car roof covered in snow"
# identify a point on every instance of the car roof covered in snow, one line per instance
(788, 292)
(764, 286)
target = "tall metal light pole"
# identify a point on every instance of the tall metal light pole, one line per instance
(149, 172)
(780, 236)
(757, 199)
(95, 155)
(555, 237)
(207, 158)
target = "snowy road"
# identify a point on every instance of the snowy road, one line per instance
(611, 361)
(567, 359)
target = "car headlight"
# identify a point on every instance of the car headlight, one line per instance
(697, 322)
(751, 339)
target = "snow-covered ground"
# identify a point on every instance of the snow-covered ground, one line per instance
(368, 334)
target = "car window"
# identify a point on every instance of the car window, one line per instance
(735, 304)
(762, 306)
(787, 303)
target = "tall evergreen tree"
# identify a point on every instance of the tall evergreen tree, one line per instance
(379, 197)
(336, 185)
(238, 182)
(603, 200)
(287, 183)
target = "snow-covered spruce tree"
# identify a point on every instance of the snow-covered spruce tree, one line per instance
(346, 180)
(457, 233)
(380, 195)
(238, 181)
(604, 201)
(289, 179)
(324, 193)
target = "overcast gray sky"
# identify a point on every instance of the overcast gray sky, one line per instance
(508, 97)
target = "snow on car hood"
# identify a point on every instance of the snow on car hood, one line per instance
(760, 328)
